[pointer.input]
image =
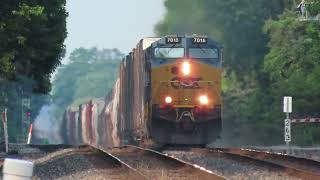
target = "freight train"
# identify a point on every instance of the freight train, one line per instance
(167, 92)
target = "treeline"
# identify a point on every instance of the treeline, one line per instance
(90, 73)
(32, 33)
(269, 53)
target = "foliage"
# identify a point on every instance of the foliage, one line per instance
(31, 40)
(267, 56)
(11, 94)
(237, 24)
(89, 74)
(314, 7)
(294, 67)
(31, 47)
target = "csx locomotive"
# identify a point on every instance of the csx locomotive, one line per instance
(168, 92)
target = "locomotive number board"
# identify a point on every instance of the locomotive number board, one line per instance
(173, 40)
(199, 40)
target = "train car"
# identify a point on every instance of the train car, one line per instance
(167, 92)
(109, 129)
(68, 128)
(97, 107)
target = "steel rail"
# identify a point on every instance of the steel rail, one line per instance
(187, 169)
(135, 174)
(257, 158)
(299, 163)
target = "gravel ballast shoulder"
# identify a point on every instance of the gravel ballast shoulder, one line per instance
(231, 168)
(78, 164)
(72, 163)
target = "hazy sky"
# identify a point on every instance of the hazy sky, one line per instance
(111, 23)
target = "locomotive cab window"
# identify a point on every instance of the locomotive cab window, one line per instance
(204, 53)
(169, 53)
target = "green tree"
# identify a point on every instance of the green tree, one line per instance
(313, 7)
(236, 24)
(89, 74)
(294, 68)
(31, 47)
(31, 40)
(263, 62)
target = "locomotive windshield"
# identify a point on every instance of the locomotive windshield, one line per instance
(169, 52)
(203, 53)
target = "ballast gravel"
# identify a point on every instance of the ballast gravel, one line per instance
(78, 164)
(83, 163)
(230, 168)
(73, 163)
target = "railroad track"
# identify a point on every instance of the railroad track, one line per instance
(293, 166)
(155, 165)
(291, 162)
(133, 173)
(129, 162)
(140, 163)
(82, 162)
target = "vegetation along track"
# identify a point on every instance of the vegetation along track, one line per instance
(293, 166)
(156, 165)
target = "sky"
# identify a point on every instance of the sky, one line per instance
(111, 23)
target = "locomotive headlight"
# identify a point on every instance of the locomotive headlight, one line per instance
(168, 99)
(204, 100)
(186, 68)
